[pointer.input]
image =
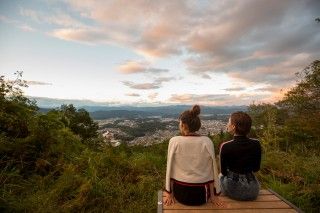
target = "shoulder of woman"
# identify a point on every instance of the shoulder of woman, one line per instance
(206, 140)
(174, 139)
(225, 144)
(254, 140)
(204, 137)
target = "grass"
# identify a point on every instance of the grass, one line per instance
(109, 180)
(122, 179)
(294, 177)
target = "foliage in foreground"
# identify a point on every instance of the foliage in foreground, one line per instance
(108, 180)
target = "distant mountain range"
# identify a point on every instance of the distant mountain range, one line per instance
(103, 110)
(43, 102)
(163, 111)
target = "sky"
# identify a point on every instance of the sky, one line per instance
(145, 52)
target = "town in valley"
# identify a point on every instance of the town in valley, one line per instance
(151, 130)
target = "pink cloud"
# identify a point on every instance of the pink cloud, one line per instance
(281, 74)
(256, 42)
(88, 36)
(141, 86)
(131, 67)
(220, 99)
(153, 96)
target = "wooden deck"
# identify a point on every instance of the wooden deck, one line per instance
(267, 201)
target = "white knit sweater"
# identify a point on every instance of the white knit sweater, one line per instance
(191, 159)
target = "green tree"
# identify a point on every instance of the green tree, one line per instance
(302, 104)
(16, 111)
(304, 98)
(265, 123)
(79, 121)
(294, 120)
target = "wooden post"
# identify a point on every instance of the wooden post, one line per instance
(159, 209)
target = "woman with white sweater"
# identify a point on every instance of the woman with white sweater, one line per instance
(192, 174)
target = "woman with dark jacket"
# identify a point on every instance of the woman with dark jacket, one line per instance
(239, 159)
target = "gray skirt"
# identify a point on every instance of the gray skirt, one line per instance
(240, 186)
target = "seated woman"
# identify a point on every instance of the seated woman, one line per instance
(239, 158)
(192, 175)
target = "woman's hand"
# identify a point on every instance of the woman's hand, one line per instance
(217, 201)
(168, 199)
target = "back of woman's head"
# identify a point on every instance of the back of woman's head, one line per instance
(242, 122)
(191, 118)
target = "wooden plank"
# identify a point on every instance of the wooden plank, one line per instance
(262, 198)
(267, 201)
(160, 202)
(262, 192)
(235, 205)
(259, 198)
(234, 211)
(286, 201)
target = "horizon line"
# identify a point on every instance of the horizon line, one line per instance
(113, 104)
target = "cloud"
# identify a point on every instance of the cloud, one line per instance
(156, 84)
(37, 83)
(270, 89)
(217, 99)
(34, 15)
(222, 32)
(280, 74)
(195, 98)
(89, 36)
(234, 89)
(133, 94)
(18, 24)
(153, 96)
(157, 70)
(5, 19)
(27, 28)
(141, 86)
(259, 44)
(131, 67)
(151, 25)
(205, 76)
(57, 18)
(160, 80)
(256, 42)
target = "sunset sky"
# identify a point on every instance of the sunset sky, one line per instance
(159, 52)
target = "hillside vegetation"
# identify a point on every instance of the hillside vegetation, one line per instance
(56, 161)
